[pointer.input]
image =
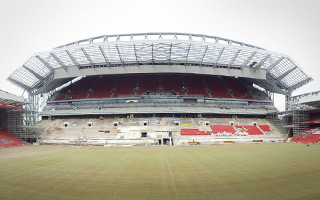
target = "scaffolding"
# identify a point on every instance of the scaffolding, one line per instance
(279, 123)
(15, 123)
(300, 119)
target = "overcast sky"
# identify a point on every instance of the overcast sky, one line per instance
(285, 26)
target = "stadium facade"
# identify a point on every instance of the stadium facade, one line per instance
(154, 75)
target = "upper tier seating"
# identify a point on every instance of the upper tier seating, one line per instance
(222, 128)
(217, 87)
(148, 83)
(239, 91)
(195, 85)
(64, 92)
(125, 85)
(171, 83)
(129, 85)
(314, 117)
(103, 87)
(251, 130)
(193, 132)
(81, 88)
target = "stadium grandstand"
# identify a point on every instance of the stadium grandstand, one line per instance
(156, 89)
(12, 113)
(304, 116)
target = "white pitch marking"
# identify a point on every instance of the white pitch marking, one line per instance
(174, 185)
(205, 155)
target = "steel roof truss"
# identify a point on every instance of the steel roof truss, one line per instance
(38, 76)
(261, 62)
(59, 61)
(119, 55)
(233, 58)
(187, 54)
(300, 83)
(88, 57)
(19, 84)
(135, 54)
(218, 58)
(248, 60)
(275, 64)
(282, 76)
(170, 53)
(204, 54)
(152, 54)
(104, 56)
(45, 63)
(73, 59)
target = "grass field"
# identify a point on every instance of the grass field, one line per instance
(264, 171)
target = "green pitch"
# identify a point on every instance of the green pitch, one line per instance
(264, 171)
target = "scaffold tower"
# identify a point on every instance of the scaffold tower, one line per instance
(300, 119)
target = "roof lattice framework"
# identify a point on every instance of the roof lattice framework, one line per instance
(159, 49)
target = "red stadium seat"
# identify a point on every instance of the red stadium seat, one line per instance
(103, 87)
(252, 130)
(222, 128)
(171, 83)
(195, 85)
(265, 128)
(148, 83)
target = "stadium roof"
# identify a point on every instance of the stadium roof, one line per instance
(8, 100)
(119, 54)
(311, 100)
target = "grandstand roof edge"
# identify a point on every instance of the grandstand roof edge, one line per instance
(38, 70)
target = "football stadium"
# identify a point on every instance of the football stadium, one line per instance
(159, 116)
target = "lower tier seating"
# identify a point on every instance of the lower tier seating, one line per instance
(265, 128)
(310, 135)
(193, 132)
(251, 130)
(222, 128)
(7, 141)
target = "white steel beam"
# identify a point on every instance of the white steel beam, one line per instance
(73, 59)
(233, 58)
(38, 76)
(104, 56)
(19, 84)
(261, 62)
(248, 60)
(135, 54)
(275, 64)
(45, 63)
(187, 54)
(204, 54)
(152, 54)
(286, 73)
(299, 83)
(88, 57)
(170, 53)
(119, 55)
(59, 61)
(218, 58)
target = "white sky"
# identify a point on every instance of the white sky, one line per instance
(291, 27)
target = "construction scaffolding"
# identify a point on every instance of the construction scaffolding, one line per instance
(278, 121)
(15, 123)
(300, 119)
